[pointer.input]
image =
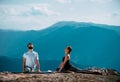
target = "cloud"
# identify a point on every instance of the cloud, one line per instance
(10, 11)
(26, 17)
(116, 14)
(27, 10)
(44, 9)
(101, 1)
(64, 1)
(16, 10)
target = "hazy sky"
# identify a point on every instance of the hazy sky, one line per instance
(39, 14)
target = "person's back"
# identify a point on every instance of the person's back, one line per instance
(67, 64)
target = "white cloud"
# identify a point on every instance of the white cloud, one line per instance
(43, 8)
(26, 17)
(101, 1)
(27, 10)
(64, 1)
(6, 10)
(25, 22)
(116, 14)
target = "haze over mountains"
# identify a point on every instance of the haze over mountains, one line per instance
(93, 44)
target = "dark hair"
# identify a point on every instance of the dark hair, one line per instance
(29, 44)
(70, 49)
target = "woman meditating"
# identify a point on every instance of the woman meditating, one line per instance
(65, 65)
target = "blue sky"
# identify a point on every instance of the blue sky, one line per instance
(39, 14)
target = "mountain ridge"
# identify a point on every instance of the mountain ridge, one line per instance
(58, 24)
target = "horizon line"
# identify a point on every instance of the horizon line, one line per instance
(60, 22)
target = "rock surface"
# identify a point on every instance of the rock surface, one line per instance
(57, 77)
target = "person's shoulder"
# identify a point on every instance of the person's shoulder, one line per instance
(25, 53)
(68, 56)
(35, 52)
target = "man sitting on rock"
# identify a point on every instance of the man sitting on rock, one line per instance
(30, 60)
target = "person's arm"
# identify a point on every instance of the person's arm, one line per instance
(60, 64)
(38, 65)
(23, 64)
(63, 63)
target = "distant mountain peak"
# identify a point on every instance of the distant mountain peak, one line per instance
(74, 23)
(62, 24)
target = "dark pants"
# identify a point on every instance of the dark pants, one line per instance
(72, 68)
(77, 70)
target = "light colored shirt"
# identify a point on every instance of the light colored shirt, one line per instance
(31, 58)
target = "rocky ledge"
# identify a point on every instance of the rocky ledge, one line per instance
(57, 77)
